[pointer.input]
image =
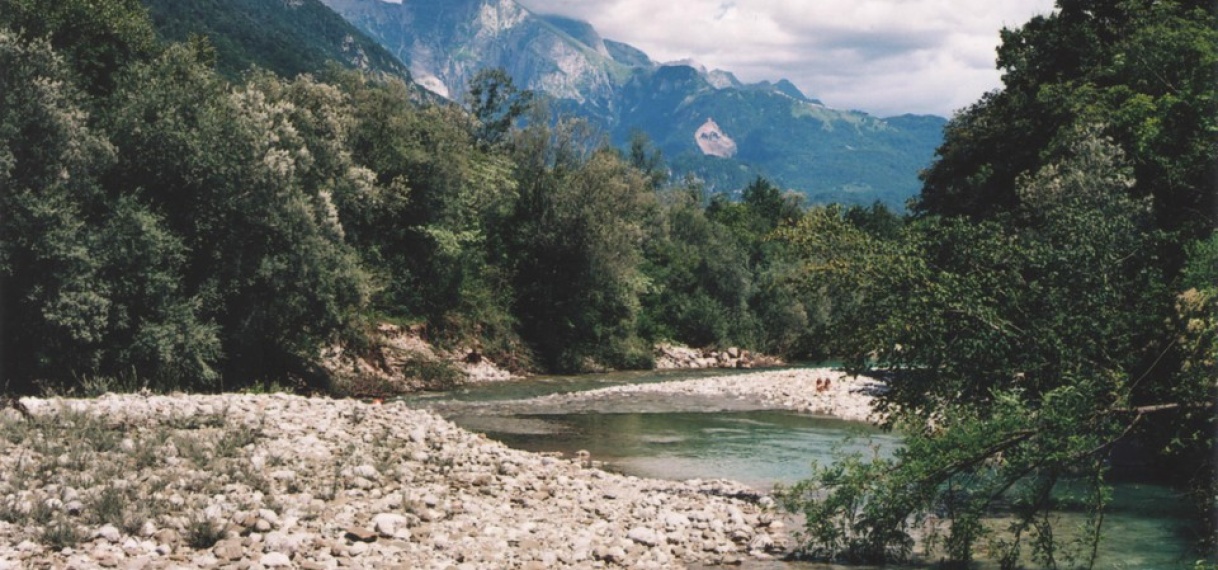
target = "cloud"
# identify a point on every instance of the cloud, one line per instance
(885, 57)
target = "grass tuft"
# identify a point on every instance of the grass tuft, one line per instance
(203, 533)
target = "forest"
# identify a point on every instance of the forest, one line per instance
(1050, 295)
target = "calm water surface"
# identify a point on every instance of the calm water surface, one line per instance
(709, 438)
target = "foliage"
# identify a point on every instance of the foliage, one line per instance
(287, 38)
(1052, 300)
(428, 225)
(246, 175)
(1144, 69)
(714, 277)
(495, 105)
(575, 246)
(91, 283)
(169, 226)
(96, 39)
(1019, 349)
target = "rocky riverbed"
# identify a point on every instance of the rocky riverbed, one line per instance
(269, 481)
(820, 391)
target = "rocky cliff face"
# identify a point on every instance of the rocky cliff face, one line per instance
(445, 42)
(775, 130)
(713, 142)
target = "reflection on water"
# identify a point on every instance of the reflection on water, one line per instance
(654, 436)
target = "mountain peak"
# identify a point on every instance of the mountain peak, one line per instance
(789, 89)
(580, 31)
(628, 55)
(776, 130)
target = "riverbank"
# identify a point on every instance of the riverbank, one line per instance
(820, 391)
(271, 481)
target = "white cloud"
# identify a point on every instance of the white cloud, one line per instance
(885, 57)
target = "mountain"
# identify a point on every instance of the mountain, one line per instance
(706, 122)
(288, 37)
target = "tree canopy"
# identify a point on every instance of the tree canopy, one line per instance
(169, 223)
(1045, 305)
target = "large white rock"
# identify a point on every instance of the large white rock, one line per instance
(644, 536)
(275, 560)
(390, 525)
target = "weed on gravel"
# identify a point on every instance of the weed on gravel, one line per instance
(123, 472)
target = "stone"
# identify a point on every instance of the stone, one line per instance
(246, 520)
(166, 536)
(508, 469)
(360, 534)
(132, 547)
(366, 471)
(676, 520)
(228, 550)
(280, 542)
(644, 536)
(614, 555)
(108, 533)
(762, 542)
(431, 515)
(275, 560)
(357, 549)
(389, 524)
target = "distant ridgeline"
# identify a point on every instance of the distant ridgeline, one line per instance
(767, 129)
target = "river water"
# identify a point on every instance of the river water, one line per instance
(706, 438)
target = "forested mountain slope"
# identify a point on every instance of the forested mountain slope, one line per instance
(829, 155)
(288, 38)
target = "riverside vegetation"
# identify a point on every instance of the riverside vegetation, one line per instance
(1050, 297)
(166, 226)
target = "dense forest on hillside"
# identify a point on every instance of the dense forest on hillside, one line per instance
(287, 38)
(1053, 295)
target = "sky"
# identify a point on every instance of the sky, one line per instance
(885, 57)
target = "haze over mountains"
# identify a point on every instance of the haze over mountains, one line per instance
(707, 122)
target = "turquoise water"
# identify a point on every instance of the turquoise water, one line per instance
(758, 448)
(706, 438)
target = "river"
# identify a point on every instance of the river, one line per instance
(706, 438)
